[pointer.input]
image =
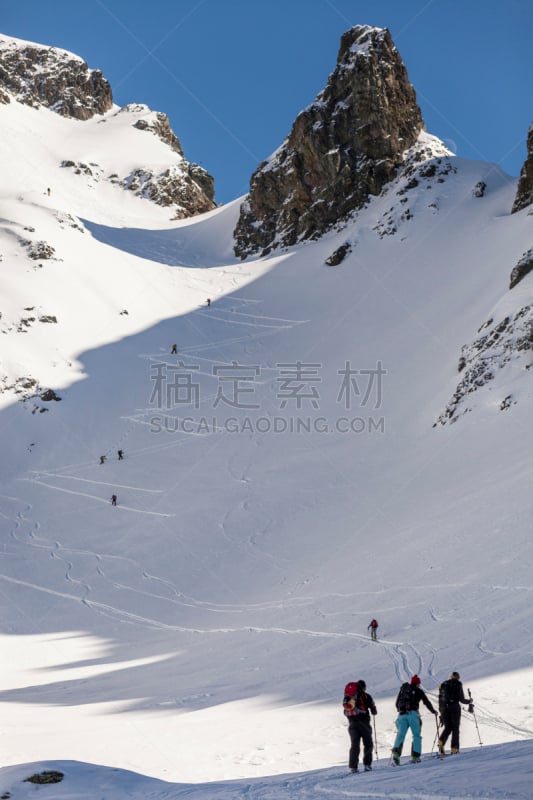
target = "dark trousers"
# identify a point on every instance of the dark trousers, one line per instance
(360, 729)
(451, 719)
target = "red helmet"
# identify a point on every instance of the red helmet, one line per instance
(415, 681)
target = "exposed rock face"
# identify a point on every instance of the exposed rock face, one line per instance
(523, 268)
(524, 192)
(508, 341)
(343, 148)
(56, 79)
(179, 186)
(188, 186)
(161, 127)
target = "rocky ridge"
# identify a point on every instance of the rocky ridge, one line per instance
(48, 77)
(184, 187)
(342, 149)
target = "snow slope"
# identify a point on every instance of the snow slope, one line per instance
(501, 771)
(204, 629)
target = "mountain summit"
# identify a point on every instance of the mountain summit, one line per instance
(50, 79)
(47, 76)
(342, 148)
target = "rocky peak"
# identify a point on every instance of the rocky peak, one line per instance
(160, 125)
(45, 76)
(186, 187)
(524, 192)
(342, 148)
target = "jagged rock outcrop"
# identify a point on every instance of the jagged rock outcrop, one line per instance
(187, 186)
(343, 148)
(161, 127)
(498, 344)
(181, 186)
(524, 192)
(522, 268)
(46, 76)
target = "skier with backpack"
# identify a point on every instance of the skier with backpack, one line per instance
(358, 705)
(451, 694)
(373, 628)
(407, 704)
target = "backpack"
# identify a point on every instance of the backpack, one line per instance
(406, 700)
(449, 693)
(354, 701)
(374, 623)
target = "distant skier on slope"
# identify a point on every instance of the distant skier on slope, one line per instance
(113, 499)
(358, 705)
(450, 695)
(407, 703)
(208, 302)
(373, 628)
(120, 454)
(102, 459)
(174, 350)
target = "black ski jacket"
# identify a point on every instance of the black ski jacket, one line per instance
(451, 694)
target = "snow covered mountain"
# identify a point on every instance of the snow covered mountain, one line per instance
(43, 77)
(289, 473)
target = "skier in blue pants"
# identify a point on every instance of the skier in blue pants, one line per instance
(407, 704)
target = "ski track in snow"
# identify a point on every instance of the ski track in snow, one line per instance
(396, 651)
(38, 473)
(404, 663)
(96, 498)
(480, 646)
(271, 325)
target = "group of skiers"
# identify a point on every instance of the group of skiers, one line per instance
(120, 457)
(358, 706)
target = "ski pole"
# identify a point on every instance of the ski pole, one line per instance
(375, 737)
(471, 708)
(437, 733)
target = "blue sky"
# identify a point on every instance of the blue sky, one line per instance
(233, 74)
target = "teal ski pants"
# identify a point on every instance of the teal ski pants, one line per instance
(403, 722)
